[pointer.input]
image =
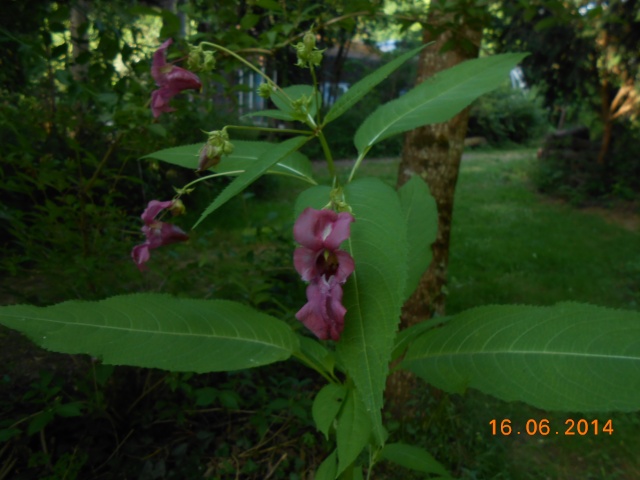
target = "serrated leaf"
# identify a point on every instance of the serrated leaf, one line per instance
(244, 155)
(354, 429)
(373, 295)
(265, 161)
(358, 90)
(421, 216)
(568, 357)
(436, 99)
(412, 457)
(326, 406)
(158, 331)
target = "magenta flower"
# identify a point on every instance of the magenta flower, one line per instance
(320, 262)
(158, 233)
(171, 80)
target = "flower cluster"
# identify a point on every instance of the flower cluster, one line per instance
(320, 262)
(158, 233)
(171, 80)
(307, 53)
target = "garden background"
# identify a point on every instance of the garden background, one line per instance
(539, 217)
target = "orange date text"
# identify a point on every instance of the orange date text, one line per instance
(545, 427)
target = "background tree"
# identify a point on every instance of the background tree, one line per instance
(583, 53)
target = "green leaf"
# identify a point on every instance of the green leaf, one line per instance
(354, 429)
(326, 406)
(265, 161)
(315, 197)
(406, 336)
(292, 93)
(277, 114)
(568, 357)
(71, 409)
(40, 421)
(328, 469)
(245, 154)
(436, 99)
(373, 295)
(317, 355)
(421, 216)
(412, 457)
(358, 90)
(158, 331)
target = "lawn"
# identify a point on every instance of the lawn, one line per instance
(509, 245)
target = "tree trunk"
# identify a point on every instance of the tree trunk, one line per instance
(434, 153)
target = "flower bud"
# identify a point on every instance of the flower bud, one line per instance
(209, 157)
(265, 90)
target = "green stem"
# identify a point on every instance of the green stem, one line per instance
(317, 94)
(267, 129)
(357, 164)
(304, 359)
(328, 156)
(213, 175)
(248, 64)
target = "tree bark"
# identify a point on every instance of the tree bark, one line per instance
(434, 153)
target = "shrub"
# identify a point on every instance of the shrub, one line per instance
(506, 116)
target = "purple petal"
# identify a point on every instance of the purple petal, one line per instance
(159, 64)
(154, 207)
(160, 102)
(179, 79)
(305, 261)
(345, 266)
(310, 225)
(140, 255)
(324, 313)
(161, 233)
(340, 232)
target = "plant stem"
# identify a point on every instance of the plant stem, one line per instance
(328, 156)
(267, 129)
(358, 162)
(303, 358)
(213, 175)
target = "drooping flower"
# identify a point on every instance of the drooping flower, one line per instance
(171, 80)
(158, 233)
(320, 262)
(323, 314)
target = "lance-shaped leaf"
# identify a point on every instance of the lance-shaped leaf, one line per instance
(158, 331)
(245, 154)
(373, 294)
(568, 357)
(265, 161)
(436, 99)
(421, 217)
(358, 90)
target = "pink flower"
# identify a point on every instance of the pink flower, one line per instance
(158, 233)
(320, 262)
(323, 314)
(171, 80)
